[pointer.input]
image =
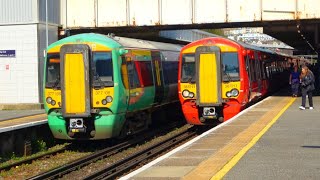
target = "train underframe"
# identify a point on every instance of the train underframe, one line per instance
(210, 114)
(105, 125)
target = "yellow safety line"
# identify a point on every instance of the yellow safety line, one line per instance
(226, 168)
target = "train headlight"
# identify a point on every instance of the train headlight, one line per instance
(48, 100)
(53, 102)
(104, 101)
(185, 93)
(191, 95)
(109, 99)
(234, 92)
(228, 94)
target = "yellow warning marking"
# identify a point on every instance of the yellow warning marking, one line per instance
(226, 168)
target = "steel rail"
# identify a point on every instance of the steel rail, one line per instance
(31, 159)
(118, 168)
(67, 168)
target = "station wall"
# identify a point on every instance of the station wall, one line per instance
(22, 45)
(19, 82)
(21, 75)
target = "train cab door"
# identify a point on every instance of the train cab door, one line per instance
(208, 76)
(158, 78)
(75, 80)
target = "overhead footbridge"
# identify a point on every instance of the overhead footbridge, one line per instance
(296, 22)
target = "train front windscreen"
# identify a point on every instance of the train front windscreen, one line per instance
(230, 67)
(53, 71)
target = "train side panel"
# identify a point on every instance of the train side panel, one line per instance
(244, 75)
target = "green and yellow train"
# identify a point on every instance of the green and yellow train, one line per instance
(100, 87)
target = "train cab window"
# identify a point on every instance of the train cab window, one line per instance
(230, 64)
(188, 73)
(103, 70)
(53, 71)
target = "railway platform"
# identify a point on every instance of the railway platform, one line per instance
(17, 119)
(18, 127)
(272, 139)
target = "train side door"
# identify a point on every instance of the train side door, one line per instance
(157, 73)
(258, 71)
(208, 75)
(75, 80)
(133, 83)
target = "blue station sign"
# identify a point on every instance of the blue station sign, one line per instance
(7, 53)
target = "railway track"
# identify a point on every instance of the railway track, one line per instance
(118, 168)
(34, 158)
(101, 154)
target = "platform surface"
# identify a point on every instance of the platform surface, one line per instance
(11, 114)
(270, 140)
(16, 119)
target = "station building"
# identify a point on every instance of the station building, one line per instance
(23, 38)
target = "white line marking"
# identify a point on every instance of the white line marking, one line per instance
(130, 175)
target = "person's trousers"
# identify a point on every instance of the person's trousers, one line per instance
(295, 88)
(304, 94)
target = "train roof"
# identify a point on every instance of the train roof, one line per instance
(116, 42)
(253, 47)
(144, 44)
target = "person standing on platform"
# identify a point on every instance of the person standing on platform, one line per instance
(294, 81)
(307, 86)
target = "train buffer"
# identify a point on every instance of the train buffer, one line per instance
(273, 139)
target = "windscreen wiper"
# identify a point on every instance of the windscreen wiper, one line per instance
(56, 83)
(97, 77)
(228, 75)
(191, 79)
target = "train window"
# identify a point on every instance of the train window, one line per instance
(170, 71)
(252, 70)
(103, 70)
(145, 72)
(53, 71)
(263, 69)
(133, 75)
(170, 66)
(258, 70)
(188, 73)
(230, 65)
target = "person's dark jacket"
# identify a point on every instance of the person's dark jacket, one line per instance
(307, 82)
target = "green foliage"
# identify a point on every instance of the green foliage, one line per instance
(39, 145)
